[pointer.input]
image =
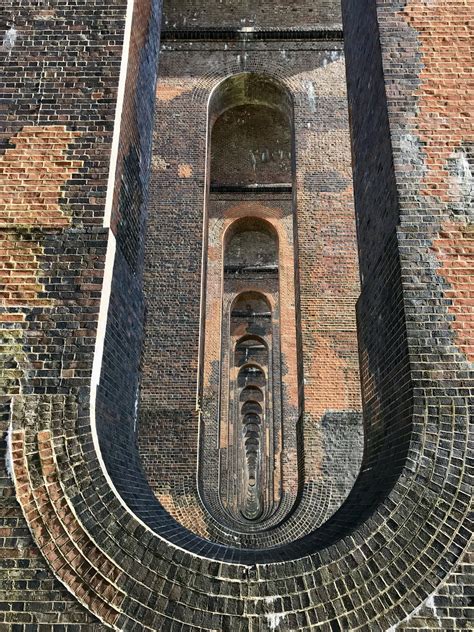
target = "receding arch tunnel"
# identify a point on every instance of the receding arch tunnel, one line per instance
(251, 151)
(250, 374)
(251, 390)
(250, 383)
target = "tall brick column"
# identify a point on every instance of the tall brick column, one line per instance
(77, 86)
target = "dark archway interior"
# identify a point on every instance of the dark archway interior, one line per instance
(251, 144)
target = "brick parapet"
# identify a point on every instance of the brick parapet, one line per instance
(194, 15)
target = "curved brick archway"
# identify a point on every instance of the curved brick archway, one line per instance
(403, 527)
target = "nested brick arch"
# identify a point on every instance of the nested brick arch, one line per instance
(205, 88)
(251, 406)
(272, 70)
(251, 392)
(253, 374)
(253, 223)
(249, 290)
(369, 566)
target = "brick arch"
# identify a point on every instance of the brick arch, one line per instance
(128, 572)
(318, 400)
(208, 82)
(250, 222)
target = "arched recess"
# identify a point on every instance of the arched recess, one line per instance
(249, 296)
(251, 374)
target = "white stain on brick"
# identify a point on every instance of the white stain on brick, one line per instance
(311, 96)
(462, 181)
(8, 457)
(9, 39)
(430, 603)
(274, 620)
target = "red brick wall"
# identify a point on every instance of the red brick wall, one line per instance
(419, 183)
(395, 555)
(60, 78)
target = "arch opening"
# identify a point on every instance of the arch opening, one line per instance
(250, 151)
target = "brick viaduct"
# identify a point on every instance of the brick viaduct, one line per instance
(237, 316)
